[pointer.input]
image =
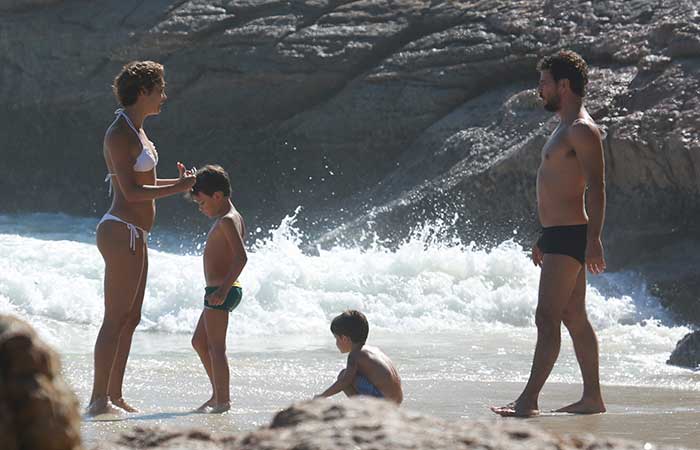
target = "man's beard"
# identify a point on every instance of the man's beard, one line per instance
(553, 104)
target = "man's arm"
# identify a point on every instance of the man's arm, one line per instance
(344, 380)
(240, 258)
(589, 152)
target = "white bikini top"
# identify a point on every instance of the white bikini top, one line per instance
(147, 159)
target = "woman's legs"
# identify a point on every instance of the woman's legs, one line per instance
(123, 269)
(116, 377)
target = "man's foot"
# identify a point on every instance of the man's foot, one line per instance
(121, 403)
(205, 406)
(101, 406)
(584, 406)
(515, 410)
(220, 408)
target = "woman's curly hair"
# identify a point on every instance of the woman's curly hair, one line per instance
(135, 77)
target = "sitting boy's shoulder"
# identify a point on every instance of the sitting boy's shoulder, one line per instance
(368, 351)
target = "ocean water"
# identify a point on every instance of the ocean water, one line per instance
(457, 319)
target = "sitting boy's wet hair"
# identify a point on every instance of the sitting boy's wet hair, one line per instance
(352, 324)
(212, 178)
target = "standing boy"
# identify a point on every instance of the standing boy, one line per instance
(369, 370)
(224, 259)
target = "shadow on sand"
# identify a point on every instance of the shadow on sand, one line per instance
(126, 417)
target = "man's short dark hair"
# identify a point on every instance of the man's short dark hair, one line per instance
(567, 65)
(352, 324)
(212, 178)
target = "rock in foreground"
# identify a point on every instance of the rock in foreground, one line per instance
(37, 409)
(366, 423)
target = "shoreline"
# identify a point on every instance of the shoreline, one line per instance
(657, 416)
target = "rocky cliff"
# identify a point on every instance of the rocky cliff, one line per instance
(394, 112)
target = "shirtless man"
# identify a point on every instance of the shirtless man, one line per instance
(572, 163)
(369, 371)
(224, 260)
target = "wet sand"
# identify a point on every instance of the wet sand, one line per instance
(658, 416)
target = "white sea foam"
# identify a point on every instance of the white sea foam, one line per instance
(414, 288)
(423, 287)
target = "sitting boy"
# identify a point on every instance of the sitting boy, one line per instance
(369, 370)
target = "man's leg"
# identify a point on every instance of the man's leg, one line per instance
(586, 346)
(557, 282)
(216, 323)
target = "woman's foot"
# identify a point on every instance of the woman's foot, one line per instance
(101, 406)
(121, 403)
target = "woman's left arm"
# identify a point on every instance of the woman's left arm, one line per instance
(171, 181)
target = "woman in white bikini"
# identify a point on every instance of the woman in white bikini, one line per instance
(122, 233)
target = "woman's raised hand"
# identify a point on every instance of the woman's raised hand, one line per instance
(186, 177)
(184, 171)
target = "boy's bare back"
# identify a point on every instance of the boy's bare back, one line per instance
(379, 370)
(227, 233)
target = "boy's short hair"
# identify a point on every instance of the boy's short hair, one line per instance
(135, 77)
(352, 324)
(211, 178)
(567, 65)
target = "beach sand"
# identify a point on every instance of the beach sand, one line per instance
(657, 416)
(168, 386)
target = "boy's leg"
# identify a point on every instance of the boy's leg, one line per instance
(201, 346)
(116, 377)
(216, 324)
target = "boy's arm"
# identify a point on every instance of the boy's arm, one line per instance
(344, 380)
(240, 258)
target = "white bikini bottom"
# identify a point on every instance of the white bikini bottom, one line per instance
(133, 230)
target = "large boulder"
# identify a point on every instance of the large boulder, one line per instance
(395, 111)
(680, 294)
(687, 351)
(37, 409)
(369, 424)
